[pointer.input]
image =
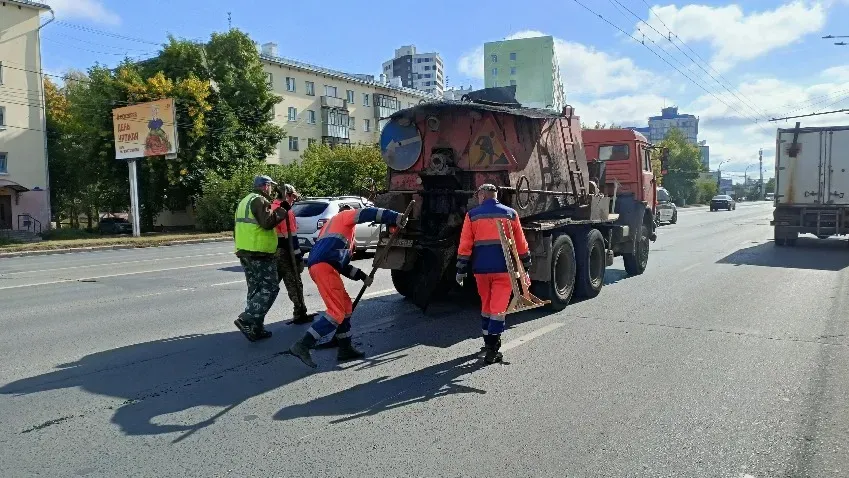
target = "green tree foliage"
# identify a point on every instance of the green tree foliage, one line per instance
(684, 166)
(769, 187)
(223, 115)
(707, 189)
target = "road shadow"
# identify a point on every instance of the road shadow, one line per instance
(232, 269)
(808, 253)
(612, 276)
(159, 384)
(384, 393)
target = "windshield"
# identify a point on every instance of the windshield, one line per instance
(662, 195)
(309, 208)
(722, 197)
(614, 152)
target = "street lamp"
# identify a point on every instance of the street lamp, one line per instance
(719, 172)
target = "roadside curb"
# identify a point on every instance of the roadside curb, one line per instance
(71, 250)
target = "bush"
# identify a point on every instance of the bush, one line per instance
(706, 189)
(67, 234)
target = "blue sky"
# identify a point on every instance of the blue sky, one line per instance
(769, 54)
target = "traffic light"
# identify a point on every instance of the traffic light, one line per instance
(664, 161)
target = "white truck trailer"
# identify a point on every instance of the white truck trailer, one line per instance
(811, 183)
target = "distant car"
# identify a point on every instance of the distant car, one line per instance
(312, 213)
(667, 212)
(769, 197)
(114, 225)
(722, 201)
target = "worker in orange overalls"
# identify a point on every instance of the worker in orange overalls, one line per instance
(330, 257)
(290, 261)
(480, 241)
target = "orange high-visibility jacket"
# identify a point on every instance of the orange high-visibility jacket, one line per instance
(480, 241)
(287, 232)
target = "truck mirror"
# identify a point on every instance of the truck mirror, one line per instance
(664, 161)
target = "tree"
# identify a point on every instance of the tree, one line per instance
(769, 187)
(600, 125)
(707, 189)
(684, 166)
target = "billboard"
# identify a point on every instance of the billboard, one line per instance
(145, 129)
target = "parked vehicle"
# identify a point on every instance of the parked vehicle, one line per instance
(577, 214)
(723, 201)
(667, 212)
(769, 197)
(114, 225)
(312, 213)
(811, 183)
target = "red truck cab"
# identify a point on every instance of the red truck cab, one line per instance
(620, 161)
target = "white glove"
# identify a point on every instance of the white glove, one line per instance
(460, 278)
(401, 220)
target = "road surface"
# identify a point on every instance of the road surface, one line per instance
(729, 357)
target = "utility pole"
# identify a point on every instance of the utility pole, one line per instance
(761, 169)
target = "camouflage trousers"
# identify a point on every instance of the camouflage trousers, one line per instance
(263, 287)
(290, 275)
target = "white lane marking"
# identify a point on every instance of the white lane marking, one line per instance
(227, 283)
(690, 267)
(379, 292)
(113, 264)
(532, 335)
(122, 274)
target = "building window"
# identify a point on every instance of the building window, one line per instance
(366, 125)
(350, 94)
(494, 58)
(427, 68)
(513, 56)
(293, 114)
(365, 99)
(512, 82)
(269, 79)
(290, 84)
(311, 116)
(293, 143)
(495, 72)
(352, 122)
(310, 88)
(2, 117)
(512, 70)
(330, 91)
(3, 166)
(310, 142)
(1, 72)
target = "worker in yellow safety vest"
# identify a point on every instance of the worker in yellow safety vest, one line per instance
(256, 248)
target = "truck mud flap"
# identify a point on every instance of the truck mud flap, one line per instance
(431, 265)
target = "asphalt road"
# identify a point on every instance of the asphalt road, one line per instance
(727, 358)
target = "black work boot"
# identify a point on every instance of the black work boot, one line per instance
(252, 332)
(347, 351)
(303, 318)
(301, 350)
(492, 354)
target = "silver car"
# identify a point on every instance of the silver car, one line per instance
(667, 212)
(312, 213)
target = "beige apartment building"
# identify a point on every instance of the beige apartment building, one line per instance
(328, 106)
(24, 186)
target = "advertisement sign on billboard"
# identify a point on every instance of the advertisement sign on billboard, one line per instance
(145, 129)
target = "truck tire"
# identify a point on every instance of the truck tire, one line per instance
(401, 281)
(590, 262)
(560, 288)
(636, 262)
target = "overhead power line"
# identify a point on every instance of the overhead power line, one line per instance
(104, 33)
(845, 110)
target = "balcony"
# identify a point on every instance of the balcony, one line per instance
(334, 131)
(331, 102)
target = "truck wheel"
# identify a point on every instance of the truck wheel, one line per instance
(636, 262)
(590, 261)
(402, 283)
(560, 288)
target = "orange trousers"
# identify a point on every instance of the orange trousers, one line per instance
(332, 291)
(495, 290)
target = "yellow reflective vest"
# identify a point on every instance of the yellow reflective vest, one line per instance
(248, 235)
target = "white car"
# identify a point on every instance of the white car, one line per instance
(667, 212)
(312, 213)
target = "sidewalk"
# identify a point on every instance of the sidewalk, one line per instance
(106, 244)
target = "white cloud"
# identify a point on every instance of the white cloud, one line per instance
(734, 35)
(836, 73)
(583, 69)
(92, 10)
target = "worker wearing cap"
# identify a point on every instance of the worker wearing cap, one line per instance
(480, 241)
(330, 257)
(256, 248)
(290, 262)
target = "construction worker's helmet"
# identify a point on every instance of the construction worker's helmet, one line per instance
(488, 187)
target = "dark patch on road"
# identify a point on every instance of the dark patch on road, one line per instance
(48, 423)
(250, 418)
(85, 471)
(809, 253)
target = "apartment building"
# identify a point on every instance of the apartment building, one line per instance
(420, 71)
(329, 106)
(529, 64)
(24, 185)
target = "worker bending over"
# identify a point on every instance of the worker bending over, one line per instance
(290, 260)
(330, 257)
(481, 241)
(256, 247)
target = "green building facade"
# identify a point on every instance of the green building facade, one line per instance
(531, 65)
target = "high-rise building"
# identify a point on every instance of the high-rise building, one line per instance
(24, 185)
(420, 71)
(531, 65)
(669, 118)
(704, 149)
